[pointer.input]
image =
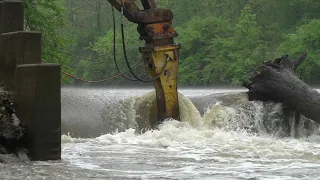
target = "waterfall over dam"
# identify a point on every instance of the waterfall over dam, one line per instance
(98, 112)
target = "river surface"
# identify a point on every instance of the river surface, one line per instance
(231, 139)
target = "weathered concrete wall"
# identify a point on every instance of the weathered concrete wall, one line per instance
(11, 16)
(11, 19)
(18, 48)
(38, 104)
(36, 86)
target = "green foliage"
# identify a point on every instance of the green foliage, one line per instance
(222, 41)
(46, 17)
(223, 53)
(305, 39)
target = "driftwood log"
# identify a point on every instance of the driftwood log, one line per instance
(276, 81)
(12, 131)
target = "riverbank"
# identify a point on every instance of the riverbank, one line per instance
(11, 130)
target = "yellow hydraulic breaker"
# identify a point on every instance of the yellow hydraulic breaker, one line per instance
(160, 53)
(162, 62)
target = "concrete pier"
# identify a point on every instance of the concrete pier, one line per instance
(36, 86)
(38, 105)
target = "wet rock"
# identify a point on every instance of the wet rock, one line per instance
(11, 132)
(3, 150)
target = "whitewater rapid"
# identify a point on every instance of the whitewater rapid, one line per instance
(179, 151)
(221, 136)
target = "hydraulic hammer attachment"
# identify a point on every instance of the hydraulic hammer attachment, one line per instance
(162, 62)
(160, 53)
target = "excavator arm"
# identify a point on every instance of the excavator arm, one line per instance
(160, 53)
(130, 9)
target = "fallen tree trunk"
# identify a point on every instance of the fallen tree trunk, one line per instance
(276, 81)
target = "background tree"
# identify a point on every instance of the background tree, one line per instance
(222, 41)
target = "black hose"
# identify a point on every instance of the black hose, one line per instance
(114, 49)
(126, 58)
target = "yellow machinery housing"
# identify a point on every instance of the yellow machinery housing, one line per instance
(160, 53)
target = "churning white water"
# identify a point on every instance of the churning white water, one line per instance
(221, 136)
